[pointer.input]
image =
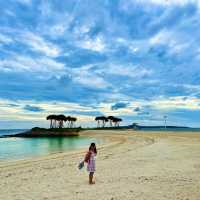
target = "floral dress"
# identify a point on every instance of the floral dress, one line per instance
(91, 167)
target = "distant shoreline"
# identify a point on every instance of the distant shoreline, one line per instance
(66, 132)
(42, 132)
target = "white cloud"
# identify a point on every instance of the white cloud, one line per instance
(159, 104)
(174, 103)
(81, 30)
(91, 81)
(169, 2)
(57, 30)
(88, 78)
(161, 37)
(34, 41)
(96, 44)
(44, 66)
(166, 37)
(37, 43)
(127, 5)
(94, 77)
(131, 71)
(5, 39)
(175, 41)
(128, 70)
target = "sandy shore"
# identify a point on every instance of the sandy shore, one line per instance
(132, 165)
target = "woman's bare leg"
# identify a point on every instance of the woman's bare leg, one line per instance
(91, 178)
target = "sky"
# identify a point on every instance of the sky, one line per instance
(134, 59)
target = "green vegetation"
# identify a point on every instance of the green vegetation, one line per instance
(52, 132)
(56, 129)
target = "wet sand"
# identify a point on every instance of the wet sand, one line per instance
(131, 165)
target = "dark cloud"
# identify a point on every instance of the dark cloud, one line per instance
(13, 105)
(33, 108)
(143, 113)
(137, 109)
(119, 106)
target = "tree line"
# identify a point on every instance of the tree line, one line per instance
(102, 120)
(57, 121)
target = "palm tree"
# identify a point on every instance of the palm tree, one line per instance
(119, 120)
(68, 119)
(110, 118)
(116, 121)
(50, 117)
(73, 120)
(98, 119)
(56, 119)
(53, 119)
(61, 119)
(103, 119)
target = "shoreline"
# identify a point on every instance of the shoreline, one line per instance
(109, 141)
(44, 132)
(131, 165)
(106, 143)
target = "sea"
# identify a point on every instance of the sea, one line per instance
(14, 148)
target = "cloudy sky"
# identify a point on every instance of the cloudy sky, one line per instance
(136, 59)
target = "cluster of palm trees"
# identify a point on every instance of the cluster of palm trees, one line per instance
(102, 120)
(57, 121)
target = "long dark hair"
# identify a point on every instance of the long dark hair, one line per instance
(93, 145)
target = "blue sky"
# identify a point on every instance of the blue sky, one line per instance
(135, 59)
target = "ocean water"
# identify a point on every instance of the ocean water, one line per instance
(11, 131)
(22, 148)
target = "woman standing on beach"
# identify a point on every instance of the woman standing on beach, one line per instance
(90, 160)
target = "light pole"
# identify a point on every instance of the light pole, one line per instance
(165, 120)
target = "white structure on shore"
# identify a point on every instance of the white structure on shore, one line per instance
(165, 121)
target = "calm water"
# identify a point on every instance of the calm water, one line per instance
(11, 131)
(21, 148)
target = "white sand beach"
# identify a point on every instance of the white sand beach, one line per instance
(131, 165)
